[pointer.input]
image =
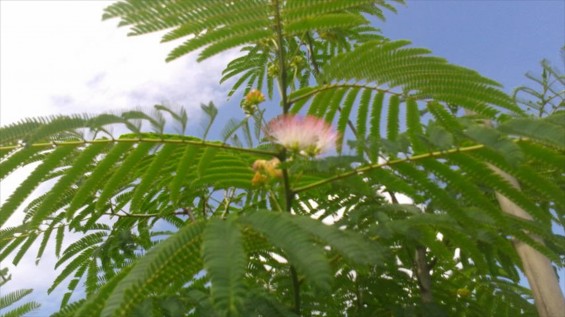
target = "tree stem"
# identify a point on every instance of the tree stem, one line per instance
(295, 289)
(548, 296)
(423, 275)
(281, 54)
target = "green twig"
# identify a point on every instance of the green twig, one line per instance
(370, 167)
(140, 140)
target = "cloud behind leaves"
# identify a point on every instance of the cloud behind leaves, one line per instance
(59, 57)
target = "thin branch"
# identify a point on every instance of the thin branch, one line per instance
(296, 289)
(423, 275)
(281, 54)
(343, 85)
(140, 140)
(129, 215)
(289, 195)
(227, 202)
(370, 167)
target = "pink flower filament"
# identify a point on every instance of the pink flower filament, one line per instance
(306, 135)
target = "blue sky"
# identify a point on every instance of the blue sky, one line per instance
(501, 39)
(59, 57)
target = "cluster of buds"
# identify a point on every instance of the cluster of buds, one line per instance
(273, 70)
(266, 171)
(297, 62)
(251, 101)
(308, 135)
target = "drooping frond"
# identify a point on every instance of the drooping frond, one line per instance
(350, 245)
(7, 301)
(215, 26)
(297, 244)
(177, 258)
(149, 174)
(418, 74)
(37, 176)
(224, 260)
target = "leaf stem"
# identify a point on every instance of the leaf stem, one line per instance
(296, 289)
(370, 167)
(282, 65)
(289, 194)
(342, 85)
(140, 140)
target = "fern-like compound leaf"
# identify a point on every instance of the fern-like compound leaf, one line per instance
(225, 262)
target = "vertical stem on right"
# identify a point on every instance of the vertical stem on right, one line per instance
(541, 276)
(423, 275)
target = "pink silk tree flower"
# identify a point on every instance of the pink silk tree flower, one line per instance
(308, 135)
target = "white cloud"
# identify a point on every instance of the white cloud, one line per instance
(58, 57)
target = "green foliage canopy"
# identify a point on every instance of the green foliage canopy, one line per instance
(173, 226)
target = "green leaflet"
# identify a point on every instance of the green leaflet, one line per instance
(527, 175)
(218, 15)
(225, 263)
(79, 166)
(433, 191)
(496, 141)
(375, 124)
(251, 34)
(216, 26)
(77, 265)
(344, 115)
(542, 130)
(96, 177)
(207, 157)
(120, 175)
(483, 173)
(42, 129)
(24, 247)
(439, 137)
(262, 303)
(7, 248)
(299, 97)
(59, 240)
(279, 229)
(319, 104)
(349, 244)
(414, 126)
(393, 64)
(15, 132)
(458, 182)
(444, 118)
(333, 106)
(9, 299)
(177, 258)
(69, 310)
(148, 178)
(30, 183)
(393, 127)
(361, 124)
(75, 280)
(47, 236)
(543, 155)
(302, 8)
(91, 283)
(77, 247)
(221, 39)
(17, 158)
(327, 21)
